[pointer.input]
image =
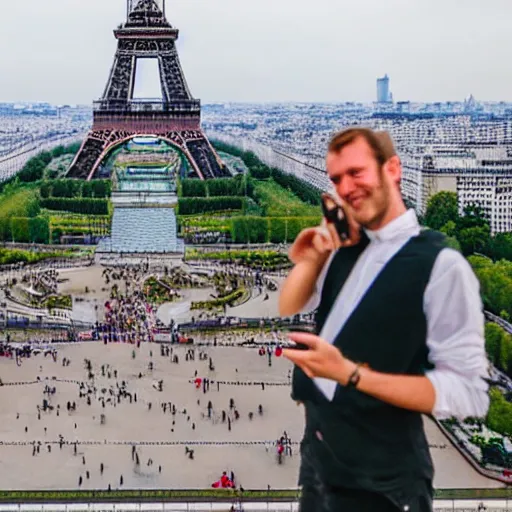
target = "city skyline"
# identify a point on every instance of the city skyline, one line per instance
(431, 51)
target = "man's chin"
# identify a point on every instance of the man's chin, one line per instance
(364, 219)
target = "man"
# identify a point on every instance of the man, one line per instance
(400, 334)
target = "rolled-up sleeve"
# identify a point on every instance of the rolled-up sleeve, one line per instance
(455, 338)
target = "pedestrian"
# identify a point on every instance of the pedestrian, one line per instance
(388, 296)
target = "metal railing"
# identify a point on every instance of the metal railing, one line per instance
(184, 106)
(439, 506)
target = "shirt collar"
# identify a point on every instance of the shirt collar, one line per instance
(406, 225)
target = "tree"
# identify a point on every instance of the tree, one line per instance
(499, 417)
(493, 341)
(450, 228)
(441, 208)
(474, 239)
(501, 246)
(472, 217)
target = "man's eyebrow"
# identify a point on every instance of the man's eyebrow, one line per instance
(348, 171)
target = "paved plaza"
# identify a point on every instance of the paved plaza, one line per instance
(134, 417)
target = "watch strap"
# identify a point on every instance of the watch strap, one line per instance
(354, 378)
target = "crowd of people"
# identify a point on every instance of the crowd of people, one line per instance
(128, 317)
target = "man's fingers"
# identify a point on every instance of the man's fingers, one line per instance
(322, 242)
(295, 356)
(298, 358)
(334, 235)
(311, 340)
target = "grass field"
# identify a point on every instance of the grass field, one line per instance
(279, 202)
(21, 202)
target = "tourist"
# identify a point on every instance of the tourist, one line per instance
(402, 284)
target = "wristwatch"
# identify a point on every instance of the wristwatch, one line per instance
(354, 378)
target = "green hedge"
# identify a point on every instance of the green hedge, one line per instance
(217, 303)
(269, 229)
(249, 229)
(59, 302)
(220, 187)
(99, 189)
(251, 258)
(193, 188)
(180, 495)
(77, 205)
(194, 205)
(10, 256)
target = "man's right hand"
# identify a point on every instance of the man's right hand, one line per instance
(315, 244)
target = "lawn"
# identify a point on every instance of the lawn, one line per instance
(279, 202)
(20, 202)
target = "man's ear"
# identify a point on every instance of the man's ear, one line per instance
(394, 169)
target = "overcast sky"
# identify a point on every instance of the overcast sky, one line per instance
(61, 51)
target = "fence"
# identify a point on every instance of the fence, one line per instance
(236, 505)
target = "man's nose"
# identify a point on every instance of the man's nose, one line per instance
(345, 187)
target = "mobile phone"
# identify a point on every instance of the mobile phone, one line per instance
(335, 214)
(295, 345)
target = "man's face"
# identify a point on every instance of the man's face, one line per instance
(360, 183)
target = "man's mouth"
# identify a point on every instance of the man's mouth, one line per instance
(356, 202)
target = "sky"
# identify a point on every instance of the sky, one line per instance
(61, 51)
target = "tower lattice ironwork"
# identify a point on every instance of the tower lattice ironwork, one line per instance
(118, 117)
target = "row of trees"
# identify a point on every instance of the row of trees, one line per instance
(99, 189)
(260, 171)
(220, 187)
(495, 284)
(25, 229)
(471, 229)
(499, 417)
(498, 345)
(33, 170)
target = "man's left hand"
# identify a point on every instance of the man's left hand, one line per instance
(321, 359)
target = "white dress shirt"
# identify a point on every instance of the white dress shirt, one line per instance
(454, 313)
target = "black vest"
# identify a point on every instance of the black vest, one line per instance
(357, 441)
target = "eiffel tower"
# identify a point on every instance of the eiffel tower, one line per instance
(117, 117)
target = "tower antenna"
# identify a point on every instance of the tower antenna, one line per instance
(163, 8)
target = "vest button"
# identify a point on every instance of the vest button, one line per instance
(319, 435)
(406, 508)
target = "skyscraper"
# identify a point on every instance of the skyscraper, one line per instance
(383, 94)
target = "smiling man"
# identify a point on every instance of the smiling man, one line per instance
(399, 326)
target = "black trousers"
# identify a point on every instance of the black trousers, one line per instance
(319, 497)
(316, 499)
